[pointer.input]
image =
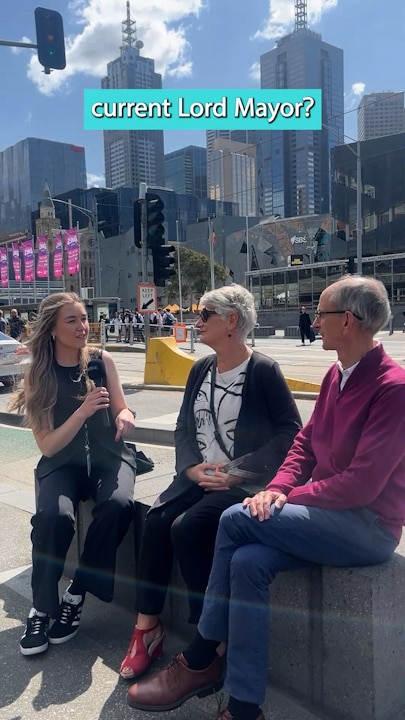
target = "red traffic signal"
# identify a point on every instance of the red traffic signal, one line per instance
(50, 38)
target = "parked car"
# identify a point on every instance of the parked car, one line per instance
(13, 356)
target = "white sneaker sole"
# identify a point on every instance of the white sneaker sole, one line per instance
(61, 640)
(34, 650)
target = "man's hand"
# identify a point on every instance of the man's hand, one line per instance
(260, 504)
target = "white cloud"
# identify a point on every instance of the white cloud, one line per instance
(254, 71)
(282, 14)
(94, 180)
(358, 88)
(97, 42)
(353, 97)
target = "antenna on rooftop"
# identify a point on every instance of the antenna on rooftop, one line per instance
(301, 15)
(129, 29)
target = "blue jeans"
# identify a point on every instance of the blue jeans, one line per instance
(249, 553)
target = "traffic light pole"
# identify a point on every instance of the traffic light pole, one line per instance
(144, 256)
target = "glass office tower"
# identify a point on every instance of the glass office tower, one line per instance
(294, 167)
(25, 168)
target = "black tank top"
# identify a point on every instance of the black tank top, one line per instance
(103, 447)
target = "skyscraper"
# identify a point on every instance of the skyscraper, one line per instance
(294, 166)
(233, 174)
(380, 114)
(132, 156)
(24, 169)
(186, 171)
(243, 136)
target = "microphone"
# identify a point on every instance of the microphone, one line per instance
(96, 373)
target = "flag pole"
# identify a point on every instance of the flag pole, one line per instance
(179, 272)
(211, 246)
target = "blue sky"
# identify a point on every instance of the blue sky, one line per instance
(196, 44)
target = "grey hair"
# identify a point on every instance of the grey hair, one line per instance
(365, 297)
(233, 298)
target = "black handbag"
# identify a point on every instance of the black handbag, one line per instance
(144, 464)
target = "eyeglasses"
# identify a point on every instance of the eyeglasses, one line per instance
(204, 314)
(319, 314)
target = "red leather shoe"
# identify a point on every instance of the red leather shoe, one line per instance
(172, 686)
(226, 715)
(139, 656)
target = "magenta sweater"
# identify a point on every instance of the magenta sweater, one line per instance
(353, 446)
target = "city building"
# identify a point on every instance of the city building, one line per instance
(294, 166)
(380, 114)
(132, 156)
(382, 196)
(243, 136)
(186, 171)
(233, 174)
(24, 169)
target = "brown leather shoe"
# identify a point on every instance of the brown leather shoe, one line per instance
(174, 685)
(226, 715)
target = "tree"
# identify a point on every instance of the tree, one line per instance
(195, 277)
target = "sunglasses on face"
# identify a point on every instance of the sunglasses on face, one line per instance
(204, 314)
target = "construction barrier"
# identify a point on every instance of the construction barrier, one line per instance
(180, 333)
(165, 364)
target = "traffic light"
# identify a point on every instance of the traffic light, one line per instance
(50, 38)
(350, 265)
(137, 224)
(162, 263)
(154, 220)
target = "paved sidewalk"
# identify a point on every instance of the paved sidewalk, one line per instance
(80, 679)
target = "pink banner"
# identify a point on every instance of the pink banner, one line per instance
(16, 261)
(3, 267)
(28, 255)
(72, 250)
(43, 257)
(58, 257)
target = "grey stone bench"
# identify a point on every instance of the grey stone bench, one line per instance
(337, 635)
(292, 331)
(264, 332)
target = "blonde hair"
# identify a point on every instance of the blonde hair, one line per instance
(39, 403)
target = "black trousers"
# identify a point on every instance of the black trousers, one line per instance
(111, 486)
(184, 528)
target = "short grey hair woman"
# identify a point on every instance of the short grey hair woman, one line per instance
(236, 423)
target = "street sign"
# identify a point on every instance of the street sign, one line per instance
(147, 298)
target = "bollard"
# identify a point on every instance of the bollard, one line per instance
(192, 339)
(131, 334)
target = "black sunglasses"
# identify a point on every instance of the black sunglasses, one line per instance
(204, 314)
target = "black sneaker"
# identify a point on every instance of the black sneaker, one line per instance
(66, 625)
(35, 638)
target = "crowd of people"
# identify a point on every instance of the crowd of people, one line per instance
(253, 494)
(127, 325)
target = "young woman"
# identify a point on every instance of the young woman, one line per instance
(76, 408)
(237, 407)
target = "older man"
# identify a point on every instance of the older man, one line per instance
(350, 514)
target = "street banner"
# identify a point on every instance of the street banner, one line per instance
(28, 255)
(58, 257)
(72, 250)
(43, 257)
(3, 267)
(16, 261)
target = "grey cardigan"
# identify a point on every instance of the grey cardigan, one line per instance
(267, 424)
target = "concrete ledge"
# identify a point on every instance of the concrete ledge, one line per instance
(337, 635)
